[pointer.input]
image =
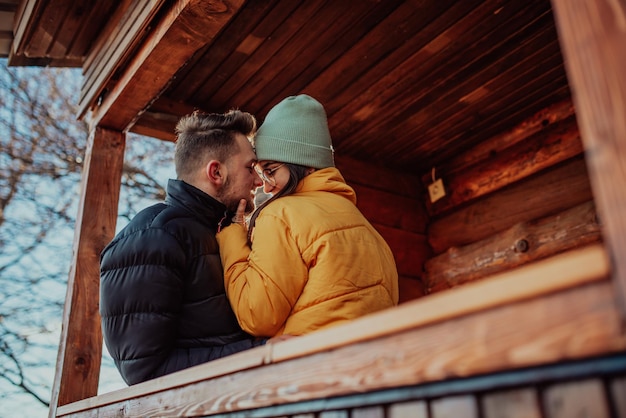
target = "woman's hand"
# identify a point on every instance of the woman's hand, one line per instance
(240, 215)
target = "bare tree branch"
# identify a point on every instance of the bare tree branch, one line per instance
(42, 148)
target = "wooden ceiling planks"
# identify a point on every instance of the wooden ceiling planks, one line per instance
(441, 85)
(406, 83)
(480, 92)
(322, 43)
(57, 33)
(193, 86)
(253, 73)
(114, 46)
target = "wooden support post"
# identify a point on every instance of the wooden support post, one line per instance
(80, 348)
(592, 34)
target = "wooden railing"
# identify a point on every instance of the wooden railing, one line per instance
(557, 309)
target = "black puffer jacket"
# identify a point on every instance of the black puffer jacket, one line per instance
(162, 297)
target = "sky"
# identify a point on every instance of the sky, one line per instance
(45, 332)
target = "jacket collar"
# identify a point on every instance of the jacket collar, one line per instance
(203, 206)
(327, 180)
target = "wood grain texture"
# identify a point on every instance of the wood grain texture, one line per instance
(123, 33)
(182, 31)
(80, 350)
(576, 399)
(549, 116)
(454, 407)
(569, 324)
(523, 243)
(551, 191)
(410, 250)
(517, 403)
(593, 34)
(543, 150)
(413, 409)
(456, 333)
(618, 391)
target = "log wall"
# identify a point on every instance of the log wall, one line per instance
(514, 199)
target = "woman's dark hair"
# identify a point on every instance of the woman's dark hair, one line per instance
(296, 174)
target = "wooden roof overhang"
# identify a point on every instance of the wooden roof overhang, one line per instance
(407, 85)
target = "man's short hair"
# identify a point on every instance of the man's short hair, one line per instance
(202, 137)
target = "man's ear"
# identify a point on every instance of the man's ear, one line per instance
(215, 172)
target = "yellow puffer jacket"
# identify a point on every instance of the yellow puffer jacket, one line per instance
(315, 262)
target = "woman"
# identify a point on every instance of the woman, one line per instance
(310, 260)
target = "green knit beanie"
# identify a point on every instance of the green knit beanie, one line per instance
(296, 131)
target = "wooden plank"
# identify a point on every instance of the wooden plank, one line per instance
(414, 106)
(368, 412)
(74, 27)
(454, 407)
(124, 32)
(461, 118)
(231, 47)
(157, 125)
(350, 32)
(43, 34)
(390, 209)
(559, 272)
(618, 389)
(413, 409)
(575, 323)
(334, 414)
(28, 13)
(380, 178)
(509, 110)
(160, 121)
(356, 86)
(551, 191)
(481, 88)
(317, 26)
(84, 37)
(519, 161)
(576, 399)
(541, 120)
(410, 250)
(505, 293)
(80, 349)
(410, 288)
(523, 243)
(517, 403)
(254, 52)
(183, 30)
(224, 366)
(593, 34)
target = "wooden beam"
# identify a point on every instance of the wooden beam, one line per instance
(28, 13)
(593, 34)
(156, 125)
(545, 149)
(549, 116)
(521, 244)
(80, 348)
(530, 283)
(562, 309)
(160, 121)
(185, 28)
(551, 191)
(122, 33)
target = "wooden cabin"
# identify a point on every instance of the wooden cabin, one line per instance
(486, 140)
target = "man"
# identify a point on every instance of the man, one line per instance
(162, 297)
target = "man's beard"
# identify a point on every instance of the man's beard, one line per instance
(231, 202)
